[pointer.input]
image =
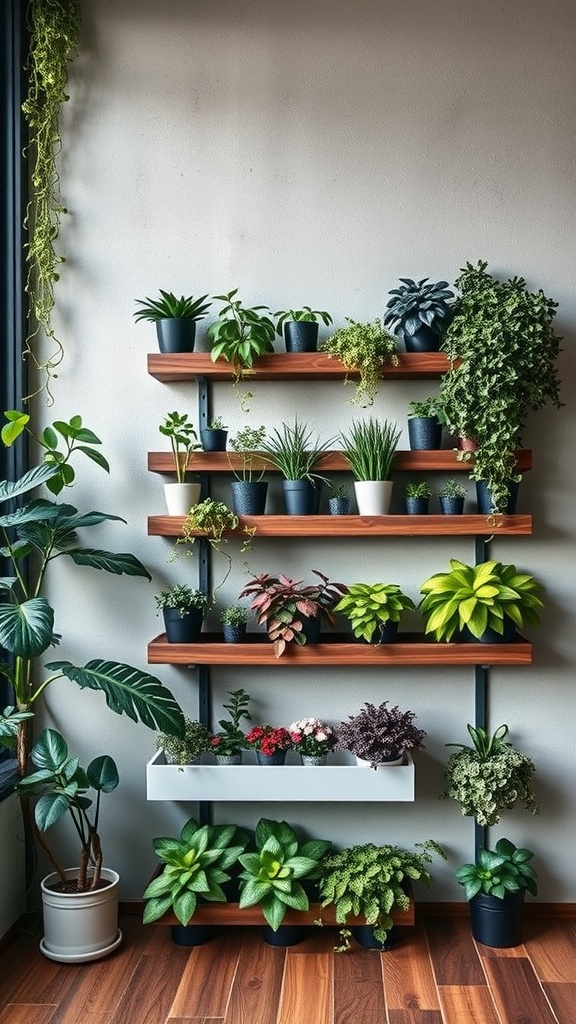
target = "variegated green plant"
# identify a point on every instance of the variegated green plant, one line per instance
(370, 605)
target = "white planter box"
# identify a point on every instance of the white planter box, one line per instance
(336, 782)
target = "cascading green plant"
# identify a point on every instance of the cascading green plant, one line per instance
(366, 349)
(54, 27)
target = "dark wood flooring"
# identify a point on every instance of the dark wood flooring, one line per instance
(436, 974)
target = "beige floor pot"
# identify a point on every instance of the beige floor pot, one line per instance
(80, 926)
(373, 497)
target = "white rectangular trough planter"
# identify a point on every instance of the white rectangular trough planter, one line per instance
(336, 782)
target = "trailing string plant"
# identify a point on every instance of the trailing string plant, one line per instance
(54, 27)
(213, 519)
(364, 349)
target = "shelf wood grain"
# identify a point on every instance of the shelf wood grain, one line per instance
(231, 914)
(359, 526)
(443, 460)
(414, 649)
(288, 366)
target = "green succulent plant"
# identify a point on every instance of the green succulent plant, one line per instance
(419, 489)
(499, 871)
(419, 304)
(366, 349)
(170, 307)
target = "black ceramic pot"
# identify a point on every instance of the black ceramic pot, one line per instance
(497, 922)
(285, 935)
(271, 760)
(213, 439)
(424, 433)
(249, 497)
(233, 634)
(183, 629)
(424, 340)
(490, 636)
(311, 625)
(364, 935)
(301, 497)
(484, 498)
(339, 506)
(417, 506)
(451, 506)
(176, 334)
(300, 336)
(384, 634)
(191, 934)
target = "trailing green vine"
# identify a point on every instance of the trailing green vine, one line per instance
(54, 27)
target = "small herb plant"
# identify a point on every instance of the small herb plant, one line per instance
(183, 441)
(181, 597)
(489, 777)
(247, 443)
(195, 867)
(281, 604)
(312, 737)
(305, 315)
(428, 407)
(452, 489)
(499, 871)
(231, 739)
(234, 615)
(169, 307)
(293, 451)
(419, 304)
(217, 424)
(272, 875)
(370, 605)
(185, 750)
(378, 734)
(418, 490)
(365, 349)
(369, 448)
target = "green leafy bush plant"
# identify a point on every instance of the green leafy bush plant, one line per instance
(365, 349)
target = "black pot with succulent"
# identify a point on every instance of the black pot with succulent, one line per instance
(214, 436)
(339, 500)
(451, 497)
(380, 736)
(249, 489)
(175, 319)
(295, 452)
(234, 620)
(417, 496)
(425, 421)
(503, 353)
(299, 328)
(183, 609)
(421, 310)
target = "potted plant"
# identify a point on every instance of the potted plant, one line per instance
(234, 619)
(185, 749)
(299, 327)
(271, 743)
(421, 310)
(293, 451)
(241, 333)
(313, 740)
(183, 609)
(196, 866)
(417, 495)
(212, 519)
(214, 436)
(273, 874)
(425, 421)
(503, 352)
(369, 449)
(364, 349)
(291, 612)
(371, 881)
(80, 905)
(249, 490)
(451, 497)
(489, 777)
(374, 610)
(181, 495)
(228, 744)
(485, 602)
(175, 319)
(380, 735)
(339, 500)
(495, 886)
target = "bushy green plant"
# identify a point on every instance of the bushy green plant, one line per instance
(293, 451)
(196, 867)
(369, 448)
(499, 871)
(217, 424)
(169, 307)
(419, 304)
(370, 605)
(246, 443)
(371, 881)
(479, 597)
(185, 749)
(234, 615)
(231, 739)
(489, 777)
(272, 875)
(366, 349)
(428, 407)
(452, 489)
(305, 315)
(241, 333)
(183, 441)
(418, 489)
(379, 734)
(181, 597)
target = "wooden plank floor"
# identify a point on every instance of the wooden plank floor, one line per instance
(436, 974)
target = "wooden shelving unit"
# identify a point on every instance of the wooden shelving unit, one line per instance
(359, 526)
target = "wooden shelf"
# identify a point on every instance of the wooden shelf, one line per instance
(227, 914)
(288, 366)
(359, 526)
(334, 783)
(413, 650)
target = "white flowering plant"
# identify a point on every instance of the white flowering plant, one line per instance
(312, 737)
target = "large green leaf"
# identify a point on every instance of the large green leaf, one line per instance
(50, 750)
(120, 563)
(102, 774)
(33, 478)
(27, 629)
(50, 808)
(129, 691)
(39, 511)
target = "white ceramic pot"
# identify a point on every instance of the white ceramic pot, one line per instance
(373, 497)
(80, 926)
(181, 497)
(393, 763)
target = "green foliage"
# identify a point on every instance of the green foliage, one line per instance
(196, 867)
(217, 424)
(502, 334)
(370, 605)
(272, 876)
(61, 785)
(169, 307)
(371, 881)
(214, 518)
(479, 597)
(499, 871)
(378, 734)
(181, 597)
(183, 441)
(489, 777)
(247, 442)
(306, 315)
(234, 615)
(293, 451)
(369, 448)
(76, 438)
(419, 304)
(231, 739)
(54, 27)
(452, 489)
(241, 333)
(366, 349)
(428, 407)
(187, 748)
(339, 491)
(418, 490)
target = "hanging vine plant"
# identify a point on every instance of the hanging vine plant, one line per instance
(54, 27)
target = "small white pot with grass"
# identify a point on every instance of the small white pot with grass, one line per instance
(369, 449)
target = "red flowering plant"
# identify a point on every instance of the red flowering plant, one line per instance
(283, 605)
(311, 737)
(268, 739)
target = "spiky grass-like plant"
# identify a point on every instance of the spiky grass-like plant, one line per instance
(369, 448)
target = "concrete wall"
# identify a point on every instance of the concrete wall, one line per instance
(313, 153)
